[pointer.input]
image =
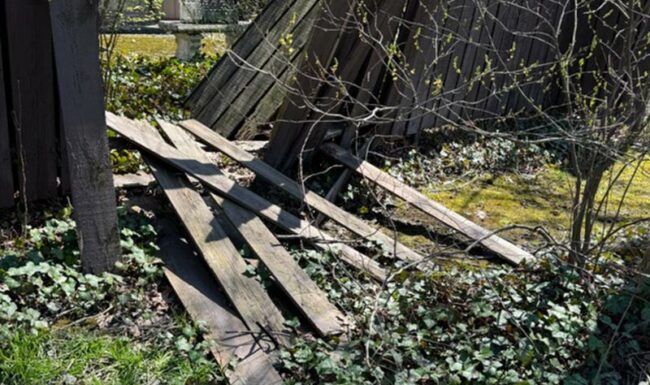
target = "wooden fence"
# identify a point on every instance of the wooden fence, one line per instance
(31, 144)
(395, 66)
(53, 138)
(417, 64)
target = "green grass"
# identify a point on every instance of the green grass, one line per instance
(164, 45)
(80, 356)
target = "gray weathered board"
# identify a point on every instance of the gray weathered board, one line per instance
(449, 218)
(241, 88)
(247, 295)
(297, 285)
(214, 179)
(207, 305)
(318, 203)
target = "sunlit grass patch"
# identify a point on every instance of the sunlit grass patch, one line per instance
(76, 356)
(164, 45)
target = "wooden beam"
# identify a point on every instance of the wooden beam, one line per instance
(247, 295)
(213, 178)
(318, 203)
(205, 302)
(305, 294)
(449, 218)
(74, 30)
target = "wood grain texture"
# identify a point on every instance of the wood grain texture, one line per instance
(6, 173)
(204, 301)
(243, 47)
(31, 81)
(319, 53)
(304, 293)
(313, 200)
(449, 218)
(247, 295)
(214, 179)
(74, 29)
(297, 285)
(256, 72)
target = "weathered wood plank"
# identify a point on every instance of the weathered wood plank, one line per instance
(451, 219)
(269, 59)
(31, 81)
(504, 59)
(204, 301)
(141, 179)
(6, 173)
(318, 203)
(313, 303)
(247, 295)
(448, 68)
(320, 51)
(243, 47)
(213, 178)
(74, 30)
(259, 96)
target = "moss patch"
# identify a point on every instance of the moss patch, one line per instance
(541, 200)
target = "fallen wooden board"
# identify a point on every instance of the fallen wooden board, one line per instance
(141, 179)
(247, 295)
(451, 219)
(305, 294)
(204, 301)
(214, 179)
(320, 204)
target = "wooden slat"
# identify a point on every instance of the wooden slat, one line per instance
(523, 41)
(278, 71)
(426, 48)
(453, 54)
(460, 74)
(213, 178)
(446, 16)
(31, 80)
(318, 203)
(204, 301)
(504, 59)
(455, 221)
(477, 97)
(74, 30)
(245, 45)
(320, 51)
(140, 179)
(247, 295)
(267, 60)
(6, 174)
(313, 303)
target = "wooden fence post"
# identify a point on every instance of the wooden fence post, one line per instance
(76, 51)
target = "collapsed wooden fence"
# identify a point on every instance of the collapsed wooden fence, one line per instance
(309, 68)
(227, 214)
